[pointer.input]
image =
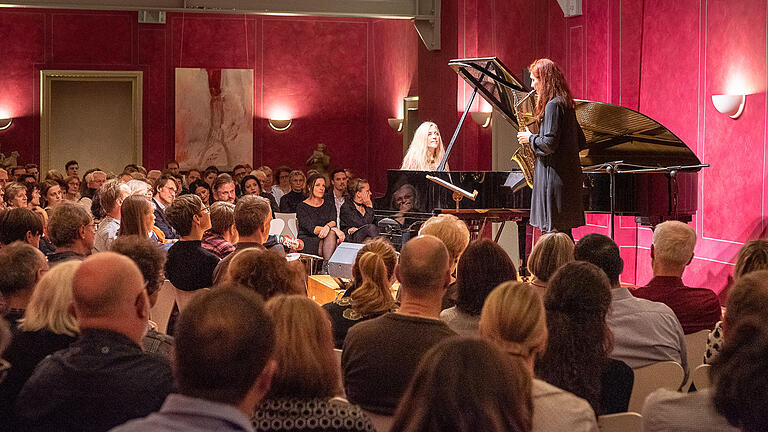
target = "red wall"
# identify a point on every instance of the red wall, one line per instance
(340, 79)
(664, 59)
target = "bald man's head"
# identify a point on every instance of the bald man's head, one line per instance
(424, 266)
(106, 285)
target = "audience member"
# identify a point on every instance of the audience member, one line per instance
(18, 171)
(20, 224)
(54, 174)
(380, 355)
(137, 217)
(455, 235)
(221, 237)
(189, 266)
(300, 190)
(224, 189)
(151, 261)
(513, 318)
(51, 195)
(72, 192)
(251, 185)
(45, 243)
(140, 187)
(266, 272)
(239, 171)
(338, 191)
(71, 168)
(465, 384)
(111, 196)
(103, 379)
(283, 180)
(356, 213)
(369, 294)
(23, 266)
(667, 410)
(551, 251)
(752, 256)
(210, 175)
(644, 331)
(201, 189)
(252, 219)
(672, 250)
(223, 365)
(16, 195)
(72, 231)
(172, 167)
(3, 178)
(482, 267)
(165, 193)
(307, 378)
(576, 358)
(48, 326)
(153, 175)
(316, 218)
(33, 195)
(267, 183)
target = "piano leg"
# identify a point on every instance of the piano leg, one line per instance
(523, 248)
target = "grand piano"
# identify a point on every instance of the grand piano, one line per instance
(633, 166)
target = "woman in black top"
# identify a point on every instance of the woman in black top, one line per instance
(556, 203)
(316, 218)
(579, 341)
(297, 194)
(356, 214)
(252, 186)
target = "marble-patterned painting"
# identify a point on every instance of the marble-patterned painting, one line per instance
(214, 117)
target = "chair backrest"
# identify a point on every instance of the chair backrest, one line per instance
(701, 377)
(291, 228)
(380, 422)
(184, 297)
(161, 311)
(695, 347)
(622, 422)
(668, 375)
(276, 227)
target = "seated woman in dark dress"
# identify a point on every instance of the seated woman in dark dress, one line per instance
(252, 186)
(356, 214)
(290, 200)
(369, 294)
(316, 218)
(579, 341)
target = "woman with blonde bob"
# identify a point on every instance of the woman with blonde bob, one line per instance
(513, 318)
(47, 327)
(308, 377)
(369, 294)
(426, 149)
(552, 251)
(466, 384)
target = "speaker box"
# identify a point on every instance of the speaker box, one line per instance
(340, 264)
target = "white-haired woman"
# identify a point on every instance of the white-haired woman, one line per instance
(426, 150)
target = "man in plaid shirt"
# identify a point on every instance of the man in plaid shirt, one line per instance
(221, 237)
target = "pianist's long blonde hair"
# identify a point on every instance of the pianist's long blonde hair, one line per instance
(418, 156)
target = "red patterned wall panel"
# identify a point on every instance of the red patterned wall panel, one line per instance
(92, 38)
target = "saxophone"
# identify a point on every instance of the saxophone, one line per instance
(524, 155)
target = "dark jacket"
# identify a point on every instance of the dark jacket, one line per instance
(162, 222)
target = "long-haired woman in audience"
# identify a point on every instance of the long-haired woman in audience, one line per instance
(16, 195)
(369, 294)
(202, 189)
(466, 384)
(482, 267)
(73, 188)
(137, 216)
(33, 195)
(251, 185)
(426, 149)
(576, 358)
(266, 272)
(51, 194)
(356, 213)
(316, 218)
(552, 251)
(47, 326)
(513, 318)
(752, 256)
(304, 390)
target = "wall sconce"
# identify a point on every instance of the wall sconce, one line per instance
(730, 105)
(396, 124)
(5, 123)
(482, 118)
(280, 125)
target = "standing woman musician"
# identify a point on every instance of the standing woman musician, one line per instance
(426, 149)
(556, 204)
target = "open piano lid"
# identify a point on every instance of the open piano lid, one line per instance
(613, 133)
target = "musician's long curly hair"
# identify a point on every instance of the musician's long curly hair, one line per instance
(552, 84)
(419, 156)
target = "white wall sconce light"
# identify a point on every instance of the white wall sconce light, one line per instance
(482, 118)
(5, 123)
(396, 124)
(730, 105)
(280, 124)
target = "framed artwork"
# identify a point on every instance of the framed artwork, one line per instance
(214, 117)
